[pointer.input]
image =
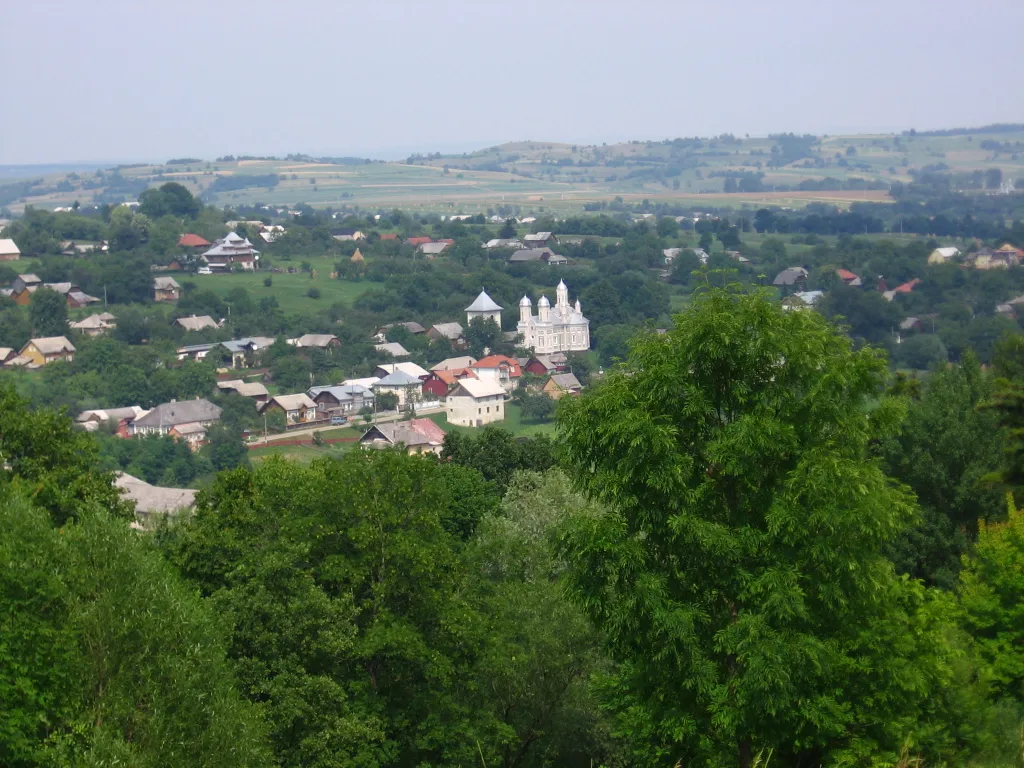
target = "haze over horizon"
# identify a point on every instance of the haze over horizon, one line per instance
(261, 78)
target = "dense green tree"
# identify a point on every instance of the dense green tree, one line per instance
(344, 588)
(497, 454)
(946, 450)
(684, 265)
(170, 199)
(56, 465)
(604, 306)
(483, 336)
(992, 600)
(535, 406)
(613, 343)
(106, 658)
(739, 576)
(541, 653)
(48, 313)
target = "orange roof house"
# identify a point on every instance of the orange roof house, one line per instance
(188, 240)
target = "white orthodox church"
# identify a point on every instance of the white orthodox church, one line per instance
(561, 328)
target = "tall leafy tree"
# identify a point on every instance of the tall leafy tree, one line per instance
(946, 451)
(106, 658)
(992, 600)
(48, 312)
(739, 577)
(345, 593)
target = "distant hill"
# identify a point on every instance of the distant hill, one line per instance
(782, 169)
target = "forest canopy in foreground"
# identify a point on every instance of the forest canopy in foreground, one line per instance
(748, 543)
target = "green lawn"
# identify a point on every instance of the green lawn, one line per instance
(513, 423)
(289, 290)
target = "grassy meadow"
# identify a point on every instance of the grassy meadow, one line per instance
(289, 289)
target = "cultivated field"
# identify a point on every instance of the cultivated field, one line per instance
(549, 176)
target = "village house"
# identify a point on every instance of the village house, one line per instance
(432, 249)
(9, 250)
(561, 384)
(166, 416)
(790, 277)
(22, 283)
(418, 241)
(271, 232)
(193, 242)
(498, 368)
(80, 248)
(802, 299)
(347, 235)
(450, 331)
(166, 289)
(197, 323)
(537, 254)
(415, 435)
(452, 363)
(545, 365)
(849, 278)
(562, 328)
(670, 254)
(411, 326)
(94, 325)
(154, 499)
(254, 390)
(24, 286)
(1001, 258)
(232, 251)
(297, 409)
(317, 340)
(540, 240)
(473, 403)
(194, 434)
(243, 351)
(117, 418)
(408, 388)
(410, 368)
(906, 287)
(944, 254)
(504, 242)
(7, 354)
(392, 348)
(438, 384)
(341, 398)
(48, 350)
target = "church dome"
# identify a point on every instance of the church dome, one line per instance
(525, 302)
(543, 302)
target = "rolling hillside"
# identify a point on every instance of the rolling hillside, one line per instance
(726, 170)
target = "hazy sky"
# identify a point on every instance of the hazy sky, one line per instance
(154, 79)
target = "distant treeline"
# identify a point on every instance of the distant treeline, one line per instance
(994, 128)
(232, 183)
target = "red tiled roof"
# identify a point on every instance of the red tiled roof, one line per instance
(846, 274)
(448, 240)
(908, 286)
(389, 236)
(427, 428)
(418, 240)
(496, 361)
(451, 376)
(188, 240)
